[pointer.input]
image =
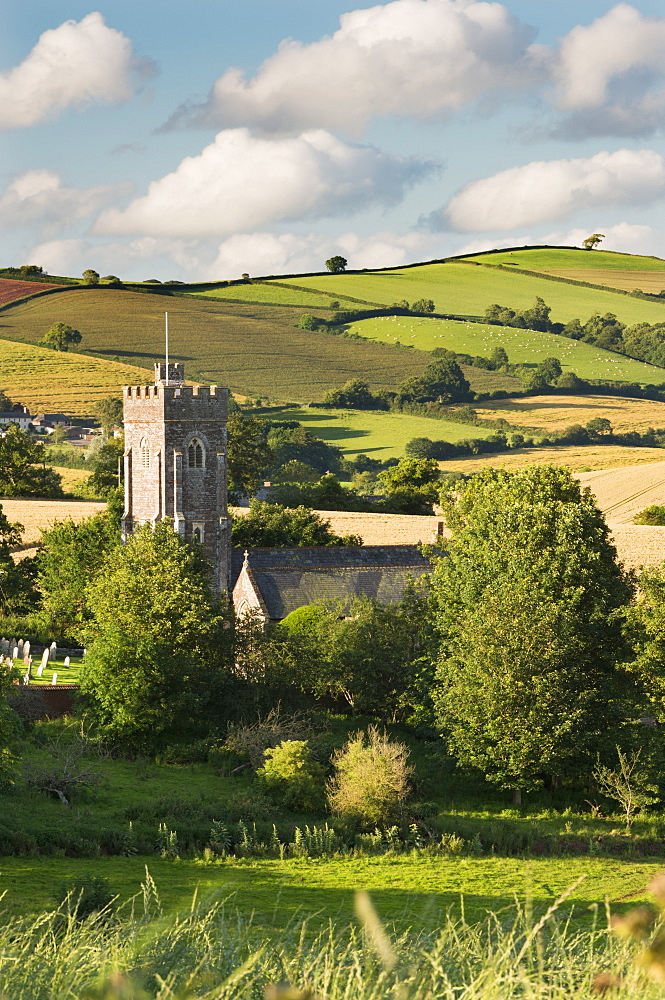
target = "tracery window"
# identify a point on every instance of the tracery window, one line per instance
(145, 454)
(196, 455)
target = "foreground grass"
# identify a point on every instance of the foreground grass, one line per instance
(211, 950)
(523, 346)
(467, 289)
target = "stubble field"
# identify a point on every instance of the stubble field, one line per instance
(552, 414)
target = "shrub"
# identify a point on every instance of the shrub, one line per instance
(290, 775)
(372, 778)
(86, 894)
(654, 514)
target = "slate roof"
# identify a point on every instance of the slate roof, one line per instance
(289, 578)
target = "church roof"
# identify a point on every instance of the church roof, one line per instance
(289, 578)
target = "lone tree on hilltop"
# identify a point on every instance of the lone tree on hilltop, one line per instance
(529, 607)
(60, 337)
(591, 242)
(90, 277)
(336, 264)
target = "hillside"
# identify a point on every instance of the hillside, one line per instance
(53, 382)
(466, 288)
(601, 267)
(254, 349)
(523, 346)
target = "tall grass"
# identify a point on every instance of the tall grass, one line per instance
(209, 951)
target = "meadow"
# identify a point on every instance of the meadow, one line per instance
(523, 346)
(376, 433)
(553, 258)
(254, 349)
(467, 289)
(275, 294)
(56, 382)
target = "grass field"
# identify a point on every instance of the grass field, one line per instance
(71, 477)
(275, 294)
(552, 258)
(56, 382)
(253, 349)
(377, 434)
(468, 289)
(553, 413)
(523, 346)
(407, 892)
(66, 675)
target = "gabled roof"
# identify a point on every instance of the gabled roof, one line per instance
(289, 578)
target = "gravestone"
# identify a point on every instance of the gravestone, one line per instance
(19, 646)
(45, 658)
(54, 679)
(66, 662)
(15, 653)
(40, 669)
(4, 646)
(53, 651)
(26, 648)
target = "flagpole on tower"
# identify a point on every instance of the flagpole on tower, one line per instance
(166, 324)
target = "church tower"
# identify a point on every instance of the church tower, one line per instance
(176, 462)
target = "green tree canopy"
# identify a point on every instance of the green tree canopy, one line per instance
(90, 277)
(528, 603)
(71, 556)
(103, 480)
(109, 413)
(17, 594)
(20, 473)
(60, 337)
(156, 642)
(442, 381)
(270, 524)
(336, 264)
(354, 394)
(250, 455)
(591, 242)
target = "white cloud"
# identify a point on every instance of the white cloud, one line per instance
(609, 75)
(420, 58)
(39, 197)
(131, 259)
(75, 64)
(291, 253)
(546, 191)
(240, 183)
(624, 237)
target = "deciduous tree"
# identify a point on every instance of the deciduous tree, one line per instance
(529, 606)
(20, 473)
(60, 337)
(336, 264)
(156, 640)
(270, 524)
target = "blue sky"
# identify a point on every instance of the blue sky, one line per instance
(202, 139)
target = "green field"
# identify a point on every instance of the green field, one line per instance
(378, 434)
(66, 675)
(523, 346)
(253, 349)
(407, 891)
(467, 289)
(275, 294)
(572, 257)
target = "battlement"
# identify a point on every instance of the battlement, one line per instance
(159, 391)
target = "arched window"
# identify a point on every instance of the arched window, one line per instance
(145, 454)
(197, 534)
(196, 455)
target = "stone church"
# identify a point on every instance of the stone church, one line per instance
(176, 467)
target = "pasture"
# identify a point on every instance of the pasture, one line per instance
(376, 433)
(467, 289)
(408, 892)
(551, 414)
(275, 294)
(254, 349)
(553, 258)
(56, 382)
(523, 346)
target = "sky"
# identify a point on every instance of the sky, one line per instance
(201, 139)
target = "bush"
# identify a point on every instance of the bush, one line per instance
(654, 514)
(372, 778)
(86, 894)
(292, 776)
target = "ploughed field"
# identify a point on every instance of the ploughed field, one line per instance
(255, 349)
(11, 290)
